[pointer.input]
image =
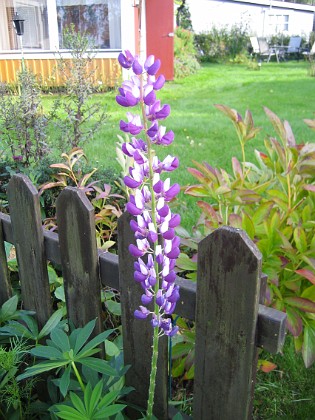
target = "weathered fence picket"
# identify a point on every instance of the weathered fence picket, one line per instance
(226, 317)
(137, 338)
(230, 322)
(79, 258)
(29, 245)
(5, 289)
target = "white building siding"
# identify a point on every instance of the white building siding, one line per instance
(263, 17)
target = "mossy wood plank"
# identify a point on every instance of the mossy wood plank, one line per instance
(229, 272)
(5, 287)
(79, 258)
(29, 243)
(137, 334)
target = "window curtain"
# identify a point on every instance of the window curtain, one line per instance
(5, 24)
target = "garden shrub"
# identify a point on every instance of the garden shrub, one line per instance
(222, 43)
(23, 123)
(77, 117)
(274, 202)
(185, 62)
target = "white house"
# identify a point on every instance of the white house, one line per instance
(261, 17)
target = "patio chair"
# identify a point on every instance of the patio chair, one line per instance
(294, 47)
(309, 54)
(261, 48)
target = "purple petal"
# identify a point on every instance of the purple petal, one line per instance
(174, 253)
(159, 83)
(175, 220)
(136, 67)
(131, 183)
(141, 314)
(146, 299)
(154, 68)
(169, 234)
(134, 251)
(163, 113)
(138, 276)
(167, 138)
(163, 212)
(153, 130)
(133, 209)
(172, 192)
(170, 278)
(150, 98)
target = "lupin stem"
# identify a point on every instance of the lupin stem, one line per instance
(155, 352)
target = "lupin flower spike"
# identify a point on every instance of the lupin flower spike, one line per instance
(154, 224)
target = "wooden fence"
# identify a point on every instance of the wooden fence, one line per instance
(225, 303)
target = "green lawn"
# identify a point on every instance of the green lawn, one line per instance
(202, 133)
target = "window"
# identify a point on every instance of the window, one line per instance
(34, 14)
(46, 20)
(278, 23)
(100, 20)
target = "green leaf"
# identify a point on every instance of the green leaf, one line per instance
(181, 349)
(68, 413)
(185, 263)
(309, 293)
(65, 381)
(300, 239)
(52, 323)
(113, 307)
(60, 339)
(41, 367)
(109, 411)
(307, 274)
(83, 335)
(15, 328)
(47, 352)
(108, 398)
(100, 338)
(111, 349)
(9, 308)
(294, 322)
(248, 225)
(308, 348)
(60, 293)
(101, 366)
(78, 403)
(91, 401)
(197, 191)
(301, 303)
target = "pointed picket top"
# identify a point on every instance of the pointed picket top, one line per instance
(227, 301)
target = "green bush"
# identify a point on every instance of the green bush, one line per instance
(185, 62)
(274, 202)
(222, 43)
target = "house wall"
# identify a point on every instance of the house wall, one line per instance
(258, 16)
(43, 60)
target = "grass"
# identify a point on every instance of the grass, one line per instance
(288, 391)
(202, 133)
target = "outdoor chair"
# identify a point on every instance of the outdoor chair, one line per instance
(261, 48)
(309, 54)
(294, 47)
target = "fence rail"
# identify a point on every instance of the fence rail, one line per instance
(225, 303)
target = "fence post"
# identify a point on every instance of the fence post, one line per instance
(137, 334)
(29, 243)
(5, 288)
(79, 258)
(229, 272)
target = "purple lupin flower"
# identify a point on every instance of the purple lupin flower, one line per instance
(153, 223)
